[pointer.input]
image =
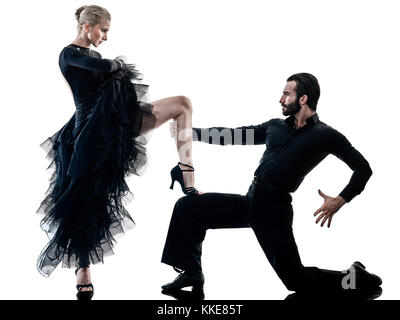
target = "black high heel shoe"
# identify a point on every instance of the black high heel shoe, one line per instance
(84, 295)
(176, 175)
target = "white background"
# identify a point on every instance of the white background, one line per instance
(231, 58)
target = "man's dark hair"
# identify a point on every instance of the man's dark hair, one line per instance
(306, 84)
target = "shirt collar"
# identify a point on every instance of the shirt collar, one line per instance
(310, 120)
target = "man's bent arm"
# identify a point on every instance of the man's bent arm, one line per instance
(342, 148)
(247, 135)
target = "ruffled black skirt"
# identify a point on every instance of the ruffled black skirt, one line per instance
(90, 157)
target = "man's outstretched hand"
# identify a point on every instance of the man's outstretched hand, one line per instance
(173, 129)
(329, 208)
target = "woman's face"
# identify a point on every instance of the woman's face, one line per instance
(98, 33)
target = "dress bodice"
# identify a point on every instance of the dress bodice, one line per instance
(84, 70)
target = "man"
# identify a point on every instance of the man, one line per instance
(294, 146)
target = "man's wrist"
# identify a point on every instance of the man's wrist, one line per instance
(341, 200)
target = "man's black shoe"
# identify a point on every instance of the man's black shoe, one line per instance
(364, 279)
(196, 281)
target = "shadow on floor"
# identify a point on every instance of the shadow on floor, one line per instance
(184, 295)
(347, 295)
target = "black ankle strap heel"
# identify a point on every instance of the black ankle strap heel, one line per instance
(87, 294)
(176, 175)
(84, 295)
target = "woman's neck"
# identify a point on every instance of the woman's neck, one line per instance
(81, 42)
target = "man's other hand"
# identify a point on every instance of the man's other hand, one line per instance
(329, 208)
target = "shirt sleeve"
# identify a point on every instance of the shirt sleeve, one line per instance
(79, 59)
(247, 135)
(342, 148)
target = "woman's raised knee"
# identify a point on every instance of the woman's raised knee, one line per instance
(185, 103)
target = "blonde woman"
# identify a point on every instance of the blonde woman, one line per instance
(97, 148)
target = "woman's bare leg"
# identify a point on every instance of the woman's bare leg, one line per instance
(83, 277)
(179, 109)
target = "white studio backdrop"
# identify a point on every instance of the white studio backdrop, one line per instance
(232, 59)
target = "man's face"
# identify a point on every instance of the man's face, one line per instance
(289, 101)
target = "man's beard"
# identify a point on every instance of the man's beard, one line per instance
(292, 108)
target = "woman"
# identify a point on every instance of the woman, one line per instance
(99, 146)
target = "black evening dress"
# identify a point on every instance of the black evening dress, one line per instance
(91, 155)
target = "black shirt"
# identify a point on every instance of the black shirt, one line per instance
(292, 153)
(84, 70)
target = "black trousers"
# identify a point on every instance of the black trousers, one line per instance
(267, 211)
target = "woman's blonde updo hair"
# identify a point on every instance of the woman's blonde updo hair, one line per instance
(92, 14)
